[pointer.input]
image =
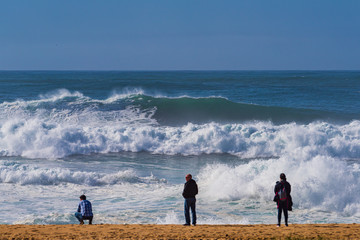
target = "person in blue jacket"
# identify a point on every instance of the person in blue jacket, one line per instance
(84, 211)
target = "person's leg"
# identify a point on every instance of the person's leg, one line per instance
(79, 217)
(286, 216)
(279, 213)
(193, 211)
(88, 218)
(186, 211)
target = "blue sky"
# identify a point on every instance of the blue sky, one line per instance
(180, 35)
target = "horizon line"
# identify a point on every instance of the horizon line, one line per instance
(174, 70)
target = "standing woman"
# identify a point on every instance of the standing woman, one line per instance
(282, 197)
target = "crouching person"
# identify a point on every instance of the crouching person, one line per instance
(84, 211)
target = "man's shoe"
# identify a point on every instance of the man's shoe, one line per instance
(81, 222)
(286, 225)
(186, 224)
(194, 224)
(278, 225)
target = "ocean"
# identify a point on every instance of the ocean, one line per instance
(127, 139)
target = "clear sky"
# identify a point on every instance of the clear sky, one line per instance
(180, 35)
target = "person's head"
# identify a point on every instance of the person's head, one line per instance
(188, 177)
(82, 197)
(282, 176)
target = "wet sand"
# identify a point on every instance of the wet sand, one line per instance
(134, 231)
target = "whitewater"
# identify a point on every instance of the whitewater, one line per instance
(127, 139)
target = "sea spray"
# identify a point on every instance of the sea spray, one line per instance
(317, 182)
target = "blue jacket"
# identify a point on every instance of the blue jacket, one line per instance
(85, 208)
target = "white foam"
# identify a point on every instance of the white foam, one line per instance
(81, 126)
(60, 135)
(13, 172)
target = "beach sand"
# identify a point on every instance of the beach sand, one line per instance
(135, 231)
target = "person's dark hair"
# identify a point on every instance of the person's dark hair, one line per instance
(282, 176)
(83, 197)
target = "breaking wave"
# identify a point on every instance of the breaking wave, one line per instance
(66, 123)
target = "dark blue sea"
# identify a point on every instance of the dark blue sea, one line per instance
(127, 139)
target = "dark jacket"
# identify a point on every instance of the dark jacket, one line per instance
(190, 189)
(287, 185)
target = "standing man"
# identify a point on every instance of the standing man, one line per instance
(190, 190)
(84, 211)
(282, 195)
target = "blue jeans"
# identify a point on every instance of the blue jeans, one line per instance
(190, 203)
(81, 217)
(282, 207)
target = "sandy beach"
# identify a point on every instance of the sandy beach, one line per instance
(134, 231)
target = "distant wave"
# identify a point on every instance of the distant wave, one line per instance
(167, 110)
(177, 111)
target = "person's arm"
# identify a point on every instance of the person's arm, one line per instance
(79, 208)
(289, 188)
(184, 191)
(196, 189)
(276, 187)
